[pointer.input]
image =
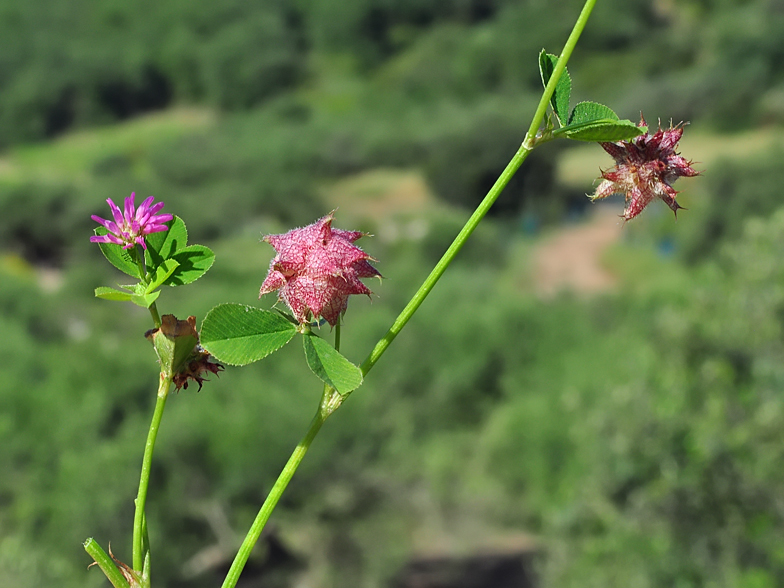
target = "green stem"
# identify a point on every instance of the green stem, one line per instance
(106, 564)
(331, 400)
(144, 480)
(156, 318)
(446, 259)
(329, 403)
(138, 254)
(139, 257)
(522, 153)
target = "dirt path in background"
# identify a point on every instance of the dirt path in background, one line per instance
(570, 258)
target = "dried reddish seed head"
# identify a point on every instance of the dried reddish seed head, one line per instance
(645, 169)
(316, 269)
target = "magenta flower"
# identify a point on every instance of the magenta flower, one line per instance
(645, 169)
(316, 269)
(130, 228)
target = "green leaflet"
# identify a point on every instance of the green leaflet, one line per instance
(559, 101)
(330, 366)
(238, 334)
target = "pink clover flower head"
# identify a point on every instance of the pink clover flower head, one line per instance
(645, 169)
(316, 269)
(130, 226)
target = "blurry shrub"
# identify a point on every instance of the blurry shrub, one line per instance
(744, 42)
(451, 60)
(241, 171)
(463, 167)
(40, 220)
(647, 456)
(738, 190)
(131, 58)
(375, 29)
(250, 60)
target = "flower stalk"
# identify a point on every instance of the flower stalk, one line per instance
(140, 544)
(145, 278)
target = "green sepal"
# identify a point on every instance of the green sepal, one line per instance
(329, 365)
(559, 101)
(161, 275)
(286, 315)
(106, 293)
(239, 334)
(120, 258)
(174, 343)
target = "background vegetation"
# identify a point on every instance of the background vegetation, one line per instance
(634, 436)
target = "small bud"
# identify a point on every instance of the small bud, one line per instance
(316, 269)
(645, 169)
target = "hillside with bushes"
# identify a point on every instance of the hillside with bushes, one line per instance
(631, 434)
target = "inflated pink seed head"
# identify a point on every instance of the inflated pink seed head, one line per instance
(315, 270)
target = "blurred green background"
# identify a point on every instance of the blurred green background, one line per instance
(605, 397)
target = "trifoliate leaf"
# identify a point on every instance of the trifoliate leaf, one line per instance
(161, 274)
(591, 121)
